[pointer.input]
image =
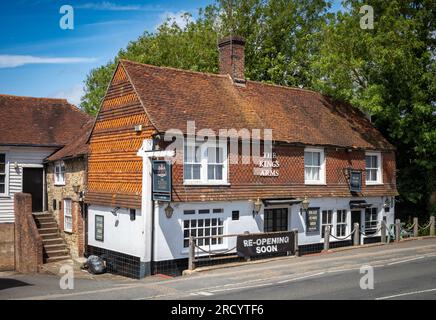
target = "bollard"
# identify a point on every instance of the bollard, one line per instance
(327, 238)
(356, 236)
(432, 225)
(296, 251)
(383, 231)
(415, 227)
(397, 230)
(191, 262)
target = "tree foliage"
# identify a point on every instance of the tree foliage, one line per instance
(388, 71)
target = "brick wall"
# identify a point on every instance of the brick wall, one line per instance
(7, 246)
(74, 175)
(28, 242)
(290, 182)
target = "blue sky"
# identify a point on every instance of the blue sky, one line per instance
(38, 58)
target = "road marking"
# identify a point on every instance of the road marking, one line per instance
(304, 277)
(406, 294)
(205, 293)
(404, 261)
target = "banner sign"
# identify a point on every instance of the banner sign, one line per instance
(266, 243)
(161, 180)
(355, 181)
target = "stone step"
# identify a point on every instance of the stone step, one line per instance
(55, 259)
(42, 215)
(56, 253)
(49, 224)
(49, 236)
(47, 230)
(49, 242)
(54, 247)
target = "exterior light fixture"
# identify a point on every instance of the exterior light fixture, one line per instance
(169, 211)
(76, 188)
(305, 203)
(16, 166)
(257, 207)
(115, 210)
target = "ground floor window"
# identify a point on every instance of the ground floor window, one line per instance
(203, 228)
(276, 220)
(326, 220)
(99, 228)
(371, 220)
(341, 223)
(68, 216)
(2, 173)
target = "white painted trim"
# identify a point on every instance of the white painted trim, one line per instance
(7, 174)
(322, 173)
(379, 169)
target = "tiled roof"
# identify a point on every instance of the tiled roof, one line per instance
(39, 121)
(171, 97)
(77, 147)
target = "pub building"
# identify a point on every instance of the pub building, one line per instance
(327, 165)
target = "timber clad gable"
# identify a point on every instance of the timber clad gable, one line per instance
(115, 170)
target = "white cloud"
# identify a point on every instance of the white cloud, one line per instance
(178, 17)
(110, 6)
(13, 61)
(73, 94)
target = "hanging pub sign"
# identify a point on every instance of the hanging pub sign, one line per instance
(312, 220)
(161, 180)
(250, 245)
(355, 180)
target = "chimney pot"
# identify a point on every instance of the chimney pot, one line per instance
(232, 58)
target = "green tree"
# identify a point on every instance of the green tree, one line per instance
(389, 73)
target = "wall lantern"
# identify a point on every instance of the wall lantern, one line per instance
(257, 207)
(76, 188)
(169, 211)
(305, 203)
(16, 166)
(114, 211)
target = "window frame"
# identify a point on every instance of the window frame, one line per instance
(379, 171)
(324, 225)
(6, 175)
(220, 224)
(371, 221)
(343, 224)
(204, 163)
(68, 215)
(322, 160)
(102, 227)
(57, 181)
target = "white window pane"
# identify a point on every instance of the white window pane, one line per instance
(315, 173)
(308, 158)
(219, 172)
(211, 155)
(368, 161)
(220, 155)
(373, 175)
(211, 172)
(196, 171)
(307, 173)
(316, 158)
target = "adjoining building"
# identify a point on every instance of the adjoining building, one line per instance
(322, 151)
(32, 129)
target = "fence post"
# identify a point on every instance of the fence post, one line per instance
(327, 238)
(415, 227)
(356, 236)
(432, 225)
(397, 230)
(296, 251)
(191, 263)
(383, 231)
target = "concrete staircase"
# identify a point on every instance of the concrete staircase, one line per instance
(55, 248)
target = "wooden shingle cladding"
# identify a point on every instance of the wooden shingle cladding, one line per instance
(115, 170)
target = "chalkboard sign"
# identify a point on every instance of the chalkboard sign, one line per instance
(355, 181)
(265, 244)
(312, 220)
(161, 180)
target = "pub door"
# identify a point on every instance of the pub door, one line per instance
(275, 220)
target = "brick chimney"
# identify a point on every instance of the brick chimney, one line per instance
(232, 58)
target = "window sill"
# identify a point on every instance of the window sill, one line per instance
(373, 183)
(207, 184)
(59, 184)
(315, 183)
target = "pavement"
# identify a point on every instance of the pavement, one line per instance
(405, 270)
